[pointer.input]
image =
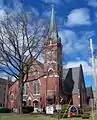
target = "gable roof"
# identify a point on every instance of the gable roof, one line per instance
(89, 92)
(65, 72)
(75, 78)
(38, 63)
(67, 81)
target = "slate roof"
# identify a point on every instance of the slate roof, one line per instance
(65, 72)
(89, 92)
(67, 81)
(74, 80)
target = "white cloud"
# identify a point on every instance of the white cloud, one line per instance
(17, 5)
(46, 14)
(78, 17)
(92, 3)
(2, 14)
(87, 69)
(87, 66)
(6, 76)
(67, 37)
(52, 1)
(75, 42)
(34, 11)
(77, 58)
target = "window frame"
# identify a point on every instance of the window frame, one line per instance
(32, 72)
(27, 85)
(34, 92)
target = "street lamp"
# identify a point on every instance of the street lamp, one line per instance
(94, 68)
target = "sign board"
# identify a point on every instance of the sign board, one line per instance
(73, 111)
(49, 110)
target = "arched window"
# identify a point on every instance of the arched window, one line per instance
(32, 70)
(11, 96)
(50, 72)
(37, 87)
(25, 89)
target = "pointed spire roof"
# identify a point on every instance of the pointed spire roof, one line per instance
(53, 33)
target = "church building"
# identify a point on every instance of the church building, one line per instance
(60, 86)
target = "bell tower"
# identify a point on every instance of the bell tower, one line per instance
(53, 61)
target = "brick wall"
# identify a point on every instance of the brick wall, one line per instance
(76, 99)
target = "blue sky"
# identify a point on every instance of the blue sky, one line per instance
(77, 23)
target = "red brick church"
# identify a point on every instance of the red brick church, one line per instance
(61, 86)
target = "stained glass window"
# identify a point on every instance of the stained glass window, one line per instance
(37, 87)
(11, 96)
(25, 89)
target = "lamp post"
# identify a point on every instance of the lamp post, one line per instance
(94, 69)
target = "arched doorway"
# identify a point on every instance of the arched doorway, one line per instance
(35, 103)
(29, 102)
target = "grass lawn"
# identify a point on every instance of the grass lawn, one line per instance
(34, 117)
(27, 117)
(23, 117)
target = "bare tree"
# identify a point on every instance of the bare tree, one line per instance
(22, 39)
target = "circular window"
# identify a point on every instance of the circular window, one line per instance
(11, 96)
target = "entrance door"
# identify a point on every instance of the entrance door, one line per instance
(35, 103)
(29, 102)
(36, 106)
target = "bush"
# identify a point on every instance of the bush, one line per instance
(62, 115)
(5, 110)
(87, 109)
(80, 111)
(88, 113)
(64, 111)
(85, 116)
(79, 115)
(27, 109)
(65, 108)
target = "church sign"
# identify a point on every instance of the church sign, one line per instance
(49, 110)
(73, 111)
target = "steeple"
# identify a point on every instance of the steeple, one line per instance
(53, 33)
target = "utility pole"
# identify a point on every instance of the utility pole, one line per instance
(94, 69)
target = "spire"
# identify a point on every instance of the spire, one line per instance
(53, 33)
